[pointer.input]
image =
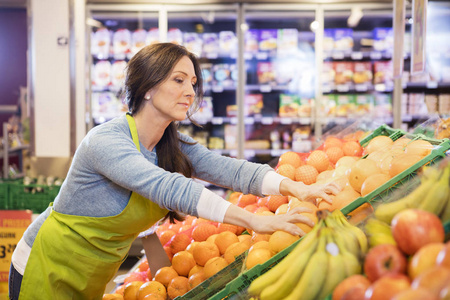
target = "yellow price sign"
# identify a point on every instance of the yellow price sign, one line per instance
(13, 224)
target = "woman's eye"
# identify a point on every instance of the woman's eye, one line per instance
(178, 80)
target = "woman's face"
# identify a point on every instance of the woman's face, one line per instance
(176, 94)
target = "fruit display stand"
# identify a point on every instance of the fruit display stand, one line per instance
(237, 287)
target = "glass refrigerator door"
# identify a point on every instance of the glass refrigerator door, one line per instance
(211, 35)
(120, 35)
(280, 84)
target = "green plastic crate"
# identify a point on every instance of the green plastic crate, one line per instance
(33, 197)
(4, 199)
(237, 287)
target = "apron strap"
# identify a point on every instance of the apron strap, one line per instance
(133, 130)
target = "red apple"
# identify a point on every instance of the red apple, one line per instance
(424, 259)
(434, 279)
(387, 287)
(416, 294)
(355, 285)
(414, 228)
(443, 258)
(384, 259)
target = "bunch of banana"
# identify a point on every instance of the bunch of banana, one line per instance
(320, 261)
(378, 232)
(431, 195)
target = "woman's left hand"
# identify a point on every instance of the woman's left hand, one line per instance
(310, 193)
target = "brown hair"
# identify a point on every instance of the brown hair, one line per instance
(147, 69)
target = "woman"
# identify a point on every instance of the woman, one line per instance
(76, 246)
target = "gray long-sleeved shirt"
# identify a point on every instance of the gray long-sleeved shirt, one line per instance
(107, 167)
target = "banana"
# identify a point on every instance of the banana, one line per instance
(386, 211)
(336, 271)
(352, 263)
(356, 231)
(381, 238)
(274, 274)
(378, 232)
(437, 197)
(315, 273)
(351, 243)
(445, 214)
(283, 286)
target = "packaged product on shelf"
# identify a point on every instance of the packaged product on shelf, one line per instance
(210, 45)
(305, 107)
(383, 105)
(193, 42)
(289, 105)
(152, 36)
(232, 110)
(416, 104)
(234, 74)
(362, 76)
(444, 104)
(445, 73)
(201, 137)
(343, 40)
(105, 106)
(138, 40)
(253, 104)
(328, 75)
(287, 40)
(343, 75)
(364, 104)
(275, 140)
(328, 105)
(345, 105)
(216, 143)
(121, 43)
(431, 101)
(251, 41)
(174, 35)
(102, 42)
(222, 75)
(265, 73)
(300, 140)
(227, 44)
(328, 41)
(230, 132)
(101, 75)
(383, 75)
(118, 74)
(267, 39)
(207, 74)
(205, 111)
(383, 39)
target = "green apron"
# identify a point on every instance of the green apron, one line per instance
(74, 257)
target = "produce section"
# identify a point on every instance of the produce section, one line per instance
(248, 265)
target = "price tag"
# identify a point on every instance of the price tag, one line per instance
(249, 153)
(357, 55)
(275, 152)
(432, 85)
(212, 55)
(217, 88)
(265, 88)
(12, 226)
(248, 56)
(361, 87)
(261, 55)
(249, 121)
(233, 121)
(286, 121)
(338, 55)
(342, 88)
(375, 55)
(217, 121)
(267, 120)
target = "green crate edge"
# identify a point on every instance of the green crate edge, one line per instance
(236, 286)
(37, 202)
(4, 196)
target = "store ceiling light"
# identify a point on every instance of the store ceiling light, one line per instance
(355, 17)
(314, 26)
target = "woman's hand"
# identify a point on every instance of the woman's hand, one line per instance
(285, 222)
(310, 193)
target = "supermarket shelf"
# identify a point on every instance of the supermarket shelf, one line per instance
(15, 149)
(252, 152)
(255, 119)
(431, 86)
(357, 55)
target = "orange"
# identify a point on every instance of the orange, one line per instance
(185, 228)
(276, 201)
(112, 297)
(325, 175)
(419, 147)
(235, 250)
(175, 227)
(214, 265)
(400, 143)
(379, 143)
(403, 162)
(179, 242)
(262, 201)
(345, 161)
(135, 276)
(334, 154)
(199, 220)
(362, 169)
(290, 158)
(251, 207)
(234, 196)
(245, 200)
(196, 279)
(183, 262)
(352, 148)
(325, 205)
(168, 252)
(224, 240)
(212, 238)
(178, 287)
(342, 181)
(247, 238)
(131, 290)
(287, 170)
(260, 244)
(203, 231)
(191, 247)
(312, 216)
(154, 297)
(306, 174)
(261, 209)
(294, 202)
(257, 237)
(280, 240)
(332, 142)
(227, 227)
(151, 287)
(282, 209)
(345, 197)
(195, 269)
(165, 274)
(257, 256)
(319, 160)
(373, 182)
(204, 251)
(143, 265)
(120, 290)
